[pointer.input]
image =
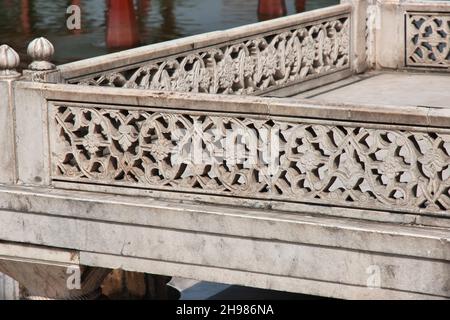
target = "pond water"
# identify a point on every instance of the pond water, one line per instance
(157, 20)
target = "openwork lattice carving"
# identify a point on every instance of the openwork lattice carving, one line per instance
(250, 66)
(428, 39)
(302, 161)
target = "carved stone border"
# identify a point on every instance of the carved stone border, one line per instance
(348, 164)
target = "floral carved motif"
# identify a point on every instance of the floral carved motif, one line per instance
(428, 40)
(250, 66)
(302, 161)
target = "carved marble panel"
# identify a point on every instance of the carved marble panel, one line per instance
(428, 39)
(246, 66)
(298, 160)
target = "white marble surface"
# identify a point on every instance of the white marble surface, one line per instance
(392, 88)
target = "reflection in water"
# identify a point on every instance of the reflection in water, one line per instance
(25, 16)
(270, 9)
(121, 24)
(143, 10)
(168, 25)
(157, 20)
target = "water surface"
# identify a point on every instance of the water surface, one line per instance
(158, 20)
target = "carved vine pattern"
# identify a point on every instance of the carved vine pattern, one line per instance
(428, 40)
(350, 165)
(248, 67)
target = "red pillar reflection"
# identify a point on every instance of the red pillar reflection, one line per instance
(121, 24)
(269, 9)
(300, 5)
(25, 16)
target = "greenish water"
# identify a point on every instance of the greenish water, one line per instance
(157, 20)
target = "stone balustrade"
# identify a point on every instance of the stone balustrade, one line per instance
(273, 153)
(253, 59)
(203, 172)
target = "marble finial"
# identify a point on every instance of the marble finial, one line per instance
(41, 52)
(9, 61)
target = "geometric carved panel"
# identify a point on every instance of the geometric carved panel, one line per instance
(428, 39)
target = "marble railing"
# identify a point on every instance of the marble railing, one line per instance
(202, 144)
(341, 156)
(131, 177)
(9, 289)
(225, 151)
(252, 59)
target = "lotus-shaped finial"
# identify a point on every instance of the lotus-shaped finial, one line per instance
(41, 51)
(9, 61)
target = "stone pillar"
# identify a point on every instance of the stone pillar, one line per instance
(270, 9)
(390, 34)
(30, 109)
(371, 23)
(9, 288)
(358, 34)
(46, 273)
(9, 61)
